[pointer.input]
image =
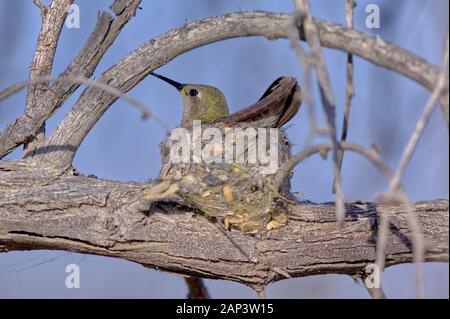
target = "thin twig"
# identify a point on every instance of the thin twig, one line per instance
(282, 272)
(421, 124)
(375, 293)
(382, 236)
(316, 57)
(294, 37)
(350, 89)
(419, 248)
(323, 149)
(40, 5)
(328, 103)
(145, 111)
(395, 194)
(262, 294)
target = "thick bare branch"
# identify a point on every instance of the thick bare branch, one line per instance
(84, 64)
(41, 210)
(53, 18)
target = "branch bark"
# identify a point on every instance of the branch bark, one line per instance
(42, 209)
(53, 18)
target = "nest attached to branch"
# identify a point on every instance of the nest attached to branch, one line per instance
(237, 194)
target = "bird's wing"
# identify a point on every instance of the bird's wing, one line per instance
(280, 102)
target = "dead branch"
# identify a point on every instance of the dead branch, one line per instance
(328, 103)
(395, 193)
(422, 122)
(144, 110)
(53, 18)
(349, 87)
(42, 209)
(323, 150)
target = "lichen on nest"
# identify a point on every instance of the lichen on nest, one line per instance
(238, 195)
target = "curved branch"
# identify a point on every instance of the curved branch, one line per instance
(135, 66)
(41, 210)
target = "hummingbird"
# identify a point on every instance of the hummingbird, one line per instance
(278, 105)
(228, 192)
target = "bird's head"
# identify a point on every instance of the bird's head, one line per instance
(201, 102)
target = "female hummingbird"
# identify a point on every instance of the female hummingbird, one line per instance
(279, 103)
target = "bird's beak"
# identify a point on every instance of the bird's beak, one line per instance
(175, 84)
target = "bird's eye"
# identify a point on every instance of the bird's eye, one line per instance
(193, 92)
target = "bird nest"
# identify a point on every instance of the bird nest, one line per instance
(237, 191)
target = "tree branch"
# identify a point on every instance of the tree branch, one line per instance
(144, 110)
(327, 98)
(349, 87)
(395, 192)
(40, 5)
(422, 122)
(40, 209)
(45, 205)
(53, 18)
(162, 49)
(84, 64)
(134, 67)
(323, 149)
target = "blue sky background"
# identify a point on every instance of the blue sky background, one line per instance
(123, 147)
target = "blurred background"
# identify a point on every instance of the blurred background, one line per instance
(123, 147)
